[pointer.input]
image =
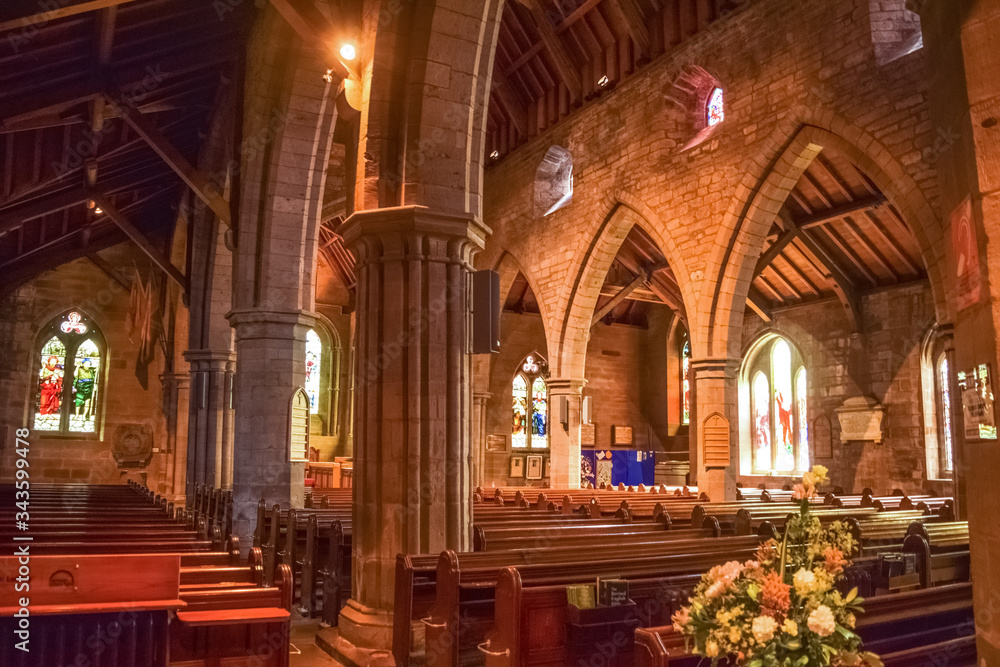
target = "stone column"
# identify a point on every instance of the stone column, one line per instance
(175, 407)
(413, 415)
(271, 348)
(564, 441)
(715, 393)
(481, 400)
(210, 434)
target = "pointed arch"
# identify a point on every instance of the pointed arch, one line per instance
(761, 195)
(623, 211)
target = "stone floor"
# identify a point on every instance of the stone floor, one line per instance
(305, 653)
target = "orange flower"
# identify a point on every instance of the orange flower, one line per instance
(775, 598)
(833, 560)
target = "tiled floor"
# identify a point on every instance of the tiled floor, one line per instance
(305, 653)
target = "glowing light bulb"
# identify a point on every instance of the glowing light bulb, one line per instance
(348, 52)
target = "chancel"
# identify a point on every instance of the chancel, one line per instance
(504, 333)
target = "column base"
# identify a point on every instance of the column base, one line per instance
(364, 636)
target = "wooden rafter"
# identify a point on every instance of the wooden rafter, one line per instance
(137, 237)
(561, 58)
(512, 104)
(836, 213)
(13, 217)
(58, 12)
(316, 30)
(629, 12)
(198, 182)
(757, 303)
(842, 285)
(619, 297)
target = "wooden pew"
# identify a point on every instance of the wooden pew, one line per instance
(903, 629)
(108, 610)
(942, 551)
(464, 596)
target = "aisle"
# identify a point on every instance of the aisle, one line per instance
(304, 652)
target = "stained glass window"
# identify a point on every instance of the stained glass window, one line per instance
(70, 368)
(48, 413)
(715, 110)
(801, 395)
(761, 421)
(686, 383)
(539, 414)
(314, 360)
(519, 427)
(530, 405)
(945, 391)
(779, 409)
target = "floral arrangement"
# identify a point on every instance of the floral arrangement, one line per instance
(781, 609)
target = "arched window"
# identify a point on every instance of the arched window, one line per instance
(530, 406)
(777, 403)
(322, 382)
(686, 382)
(70, 388)
(554, 181)
(946, 449)
(314, 365)
(715, 108)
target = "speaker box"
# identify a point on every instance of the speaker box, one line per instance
(485, 312)
(585, 411)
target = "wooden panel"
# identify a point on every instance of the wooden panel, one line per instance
(99, 582)
(299, 427)
(715, 441)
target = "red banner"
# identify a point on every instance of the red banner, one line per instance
(966, 248)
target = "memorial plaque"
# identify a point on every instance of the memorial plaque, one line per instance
(588, 435)
(621, 436)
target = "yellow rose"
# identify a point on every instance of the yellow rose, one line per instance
(820, 474)
(790, 627)
(711, 649)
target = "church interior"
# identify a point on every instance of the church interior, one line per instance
(486, 332)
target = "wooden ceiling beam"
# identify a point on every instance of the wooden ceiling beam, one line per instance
(638, 294)
(758, 304)
(842, 285)
(198, 182)
(776, 249)
(829, 215)
(560, 55)
(13, 217)
(618, 298)
(316, 30)
(629, 12)
(511, 102)
(137, 237)
(58, 12)
(109, 269)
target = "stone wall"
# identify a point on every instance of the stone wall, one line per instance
(131, 393)
(883, 362)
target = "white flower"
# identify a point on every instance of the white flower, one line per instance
(821, 621)
(805, 581)
(763, 628)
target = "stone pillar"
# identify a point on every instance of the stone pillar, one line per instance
(413, 393)
(210, 430)
(271, 349)
(564, 441)
(175, 408)
(715, 393)
(481, 400)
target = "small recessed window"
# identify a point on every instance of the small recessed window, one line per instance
(716, 111)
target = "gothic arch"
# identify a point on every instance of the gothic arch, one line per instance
(760, 197)
(567, 357)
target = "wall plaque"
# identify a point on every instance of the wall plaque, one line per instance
(132, 445)
(496, 443)
(860, 419)
(715, 441)
(298, 426)
(621, 436)
(588, 435)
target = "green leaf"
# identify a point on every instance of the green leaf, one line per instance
(872, 660)
(844, 631)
